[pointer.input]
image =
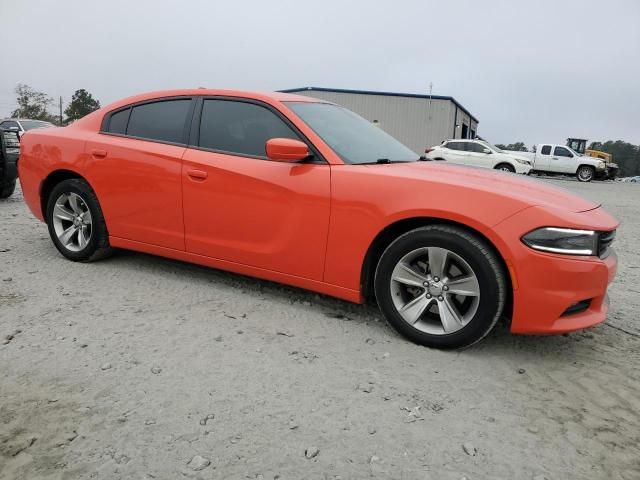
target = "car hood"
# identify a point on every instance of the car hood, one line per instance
(530, 191)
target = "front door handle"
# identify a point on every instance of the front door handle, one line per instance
(197, 174)
(98, 153)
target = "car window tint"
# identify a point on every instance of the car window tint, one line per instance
(240, 127)
(546, 150)
(118, 122)
(455, 146)
(8, 124)
(162, 121)
(562, 152)
(475, 147)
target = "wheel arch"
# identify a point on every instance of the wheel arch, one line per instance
(53, 179)
(392, 231)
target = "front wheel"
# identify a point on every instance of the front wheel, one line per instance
(76, 224)
(441, 286)
(505, 167)
(7, 189)
(585, 173)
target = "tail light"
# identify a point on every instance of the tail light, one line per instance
(427, 150)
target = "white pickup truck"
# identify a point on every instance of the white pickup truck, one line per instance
(559, 159)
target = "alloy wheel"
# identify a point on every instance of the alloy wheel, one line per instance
(435, 290)
(72, 221)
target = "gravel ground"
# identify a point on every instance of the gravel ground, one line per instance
(139, 367)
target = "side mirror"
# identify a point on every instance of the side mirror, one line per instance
(486, 150)
(286, 150)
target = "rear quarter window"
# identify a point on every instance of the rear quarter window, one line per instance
(118, 122)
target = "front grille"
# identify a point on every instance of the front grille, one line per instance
(605, 239)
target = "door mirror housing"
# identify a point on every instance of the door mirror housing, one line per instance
(486, 150)
(286, 150)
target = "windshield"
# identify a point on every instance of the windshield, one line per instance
(492, 147)
(352, 137)
(31, 124)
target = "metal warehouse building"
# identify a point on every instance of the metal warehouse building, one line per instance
(418, 121)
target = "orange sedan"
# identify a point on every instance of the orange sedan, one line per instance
(307, 193)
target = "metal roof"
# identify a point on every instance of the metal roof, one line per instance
(387, 94)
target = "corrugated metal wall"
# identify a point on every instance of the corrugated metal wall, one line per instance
(408, 119)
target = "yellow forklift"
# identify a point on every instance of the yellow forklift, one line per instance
(580, 146)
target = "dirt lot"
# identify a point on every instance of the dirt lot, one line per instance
(131, 367)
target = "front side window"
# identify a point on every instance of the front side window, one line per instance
(163, 121)
(8, 125)
(546, 150)
(354, 139)
(562, 152)
(240, 127)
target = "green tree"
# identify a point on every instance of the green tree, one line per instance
(516, 147)
(625, 154)
(32, 104)
(82, 103)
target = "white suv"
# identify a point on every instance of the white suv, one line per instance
(478, 153)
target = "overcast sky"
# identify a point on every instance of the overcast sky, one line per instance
(536, 71)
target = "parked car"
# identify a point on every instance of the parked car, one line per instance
(295, 190)
(560, 159)
(479, 153)
(9, 152)
(21, 125)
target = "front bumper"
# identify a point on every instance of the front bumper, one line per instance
(547, 287)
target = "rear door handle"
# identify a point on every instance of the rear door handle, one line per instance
(197, 174)
(99, 153)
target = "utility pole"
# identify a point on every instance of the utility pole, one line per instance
(60, 110)
(430, 90)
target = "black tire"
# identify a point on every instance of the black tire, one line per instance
(505, 167)
(98, 245)
(7, 189)
(585, 173)
(484, 263)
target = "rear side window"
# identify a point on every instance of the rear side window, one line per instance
(240, 127)
(118, 122)
(163, 121)
(546, 150)
(455, 146)
(562, 152)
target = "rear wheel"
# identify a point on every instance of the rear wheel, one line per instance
(585, 173)
(76, 224)
(505, 167)
(7, 189)
(440, 286)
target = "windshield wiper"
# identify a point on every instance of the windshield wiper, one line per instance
(384, 161)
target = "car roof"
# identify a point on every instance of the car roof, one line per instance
(255, 95)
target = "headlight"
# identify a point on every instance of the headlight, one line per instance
(563, 240)
(522, 161)
(600, 165)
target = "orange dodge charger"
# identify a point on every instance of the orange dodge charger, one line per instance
(307, 193)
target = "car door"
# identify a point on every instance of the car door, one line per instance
(564, 160)
(543, 158)
(476, 155)
(135, 166)
(241, 207)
